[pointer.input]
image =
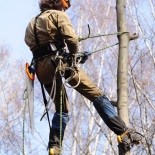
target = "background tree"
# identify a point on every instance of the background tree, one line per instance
(11, 107)
(86, 132)
(122, 82)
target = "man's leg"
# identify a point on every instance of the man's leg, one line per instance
(101, 103)
(55, 138)
(109, 115)
(45, 73)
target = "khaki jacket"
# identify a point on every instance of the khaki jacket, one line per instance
(52, 25)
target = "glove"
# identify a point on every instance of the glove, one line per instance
(84, 57)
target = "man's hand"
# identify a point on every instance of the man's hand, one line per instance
(84, 57)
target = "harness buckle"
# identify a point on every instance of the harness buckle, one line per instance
(53, 47)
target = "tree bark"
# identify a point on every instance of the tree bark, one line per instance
(122, 70)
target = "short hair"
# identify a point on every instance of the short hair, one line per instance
(50, 4)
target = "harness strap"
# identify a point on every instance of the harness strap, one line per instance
(44, 50)
(38, 46)
(35, 31)
(45, 102)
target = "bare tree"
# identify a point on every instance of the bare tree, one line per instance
(86, 133)
(11, 109)
(122, 82)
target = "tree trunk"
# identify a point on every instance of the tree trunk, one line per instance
(122, 82)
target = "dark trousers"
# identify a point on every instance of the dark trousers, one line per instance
(46, 69)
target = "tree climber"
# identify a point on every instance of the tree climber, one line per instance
(47, 35)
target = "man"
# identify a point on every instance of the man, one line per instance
(46, 35)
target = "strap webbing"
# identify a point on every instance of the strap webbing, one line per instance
(35, 31)
(45, 103)
(42, 87)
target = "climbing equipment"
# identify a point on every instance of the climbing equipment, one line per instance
(100, 35)
(128, 139)
(82, 54)
(45, 103)
(44, 50)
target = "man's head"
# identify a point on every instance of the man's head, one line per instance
(54, 4)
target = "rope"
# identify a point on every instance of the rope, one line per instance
(71, 77)
(61, 73)
(101, 35)
(61, 119)
(105, 48)
(53, 91)
(82, 53)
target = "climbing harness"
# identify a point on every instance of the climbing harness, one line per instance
(40, 52)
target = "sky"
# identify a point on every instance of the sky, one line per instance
(14, 17)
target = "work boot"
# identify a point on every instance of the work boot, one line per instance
(128, 139)
(55, 150)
